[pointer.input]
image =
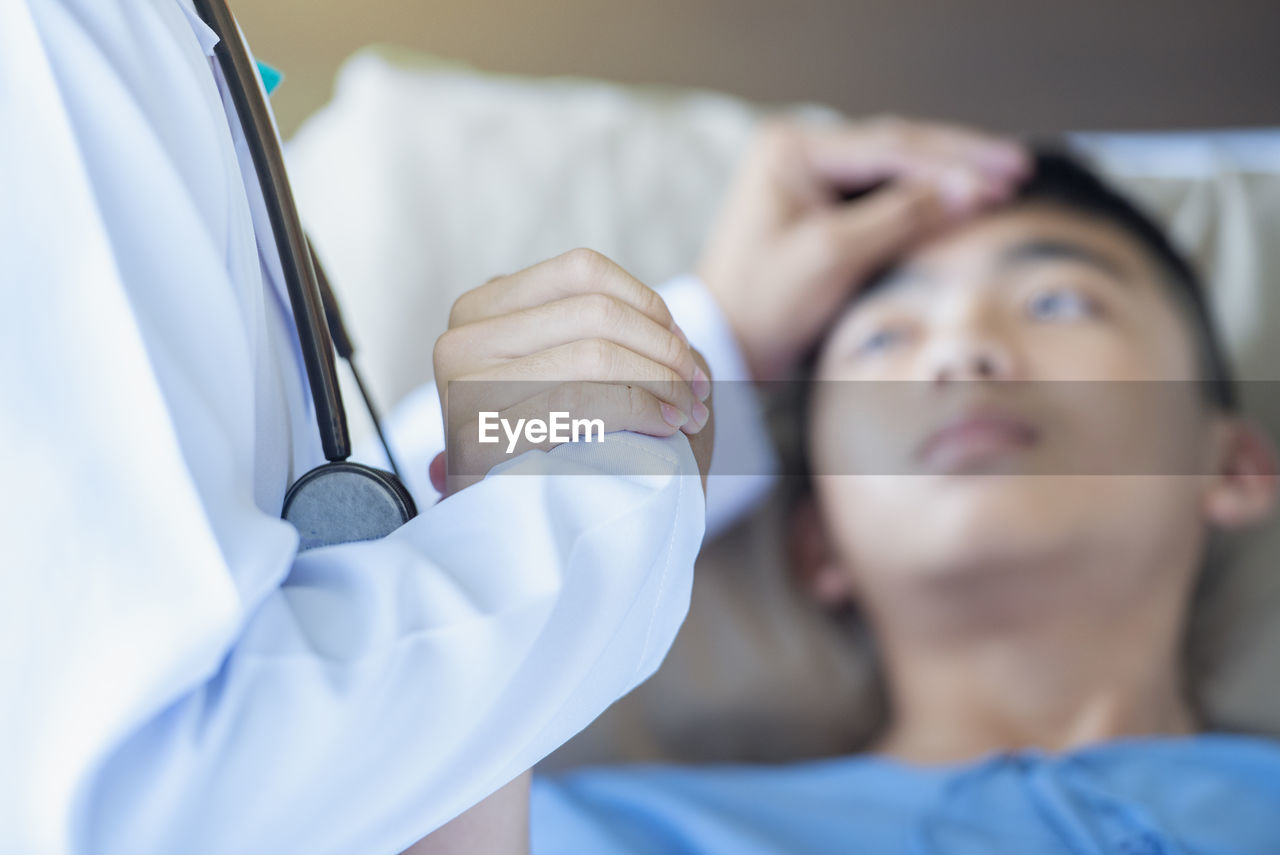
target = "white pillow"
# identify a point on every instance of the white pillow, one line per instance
(422, 179)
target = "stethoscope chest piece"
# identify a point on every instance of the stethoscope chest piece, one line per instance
(343, 502)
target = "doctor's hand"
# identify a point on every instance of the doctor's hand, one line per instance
(576, 336)
(787, 251)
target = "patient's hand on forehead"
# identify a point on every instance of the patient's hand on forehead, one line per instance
(787, 250)
(1020, 438)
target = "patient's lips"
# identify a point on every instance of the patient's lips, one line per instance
(975, 441)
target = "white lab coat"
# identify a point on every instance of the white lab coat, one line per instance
(174, 677)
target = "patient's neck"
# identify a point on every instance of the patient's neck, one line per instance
(1050, 657)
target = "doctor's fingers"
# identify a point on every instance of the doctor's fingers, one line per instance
(576, 272)
(592, 360)
(603, 407)
(566, 412)
(483, 344)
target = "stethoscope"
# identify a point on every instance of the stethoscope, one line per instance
(338, 501)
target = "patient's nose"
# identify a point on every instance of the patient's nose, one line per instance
(971, 354)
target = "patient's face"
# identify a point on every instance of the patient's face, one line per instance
(1017, 413)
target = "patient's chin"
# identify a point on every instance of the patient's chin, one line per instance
(966, 524)
(1016, 510)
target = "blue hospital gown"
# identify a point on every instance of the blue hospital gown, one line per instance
(1207, 795)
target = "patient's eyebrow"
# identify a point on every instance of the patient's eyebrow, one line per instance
(890, 278)
(1050, 249)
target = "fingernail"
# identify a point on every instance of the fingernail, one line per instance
(675, 328)
(700, 414)
(701, 384)
(673, 416)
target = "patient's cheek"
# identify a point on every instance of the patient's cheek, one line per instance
(873, 521)
(866, 428)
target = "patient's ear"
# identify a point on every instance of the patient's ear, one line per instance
(813, 559)
(1244, 490)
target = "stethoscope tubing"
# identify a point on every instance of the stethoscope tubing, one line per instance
(296, 258)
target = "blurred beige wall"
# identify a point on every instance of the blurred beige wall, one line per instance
(1027, 66)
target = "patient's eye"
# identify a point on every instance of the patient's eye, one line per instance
(878, 341)
(1061, 304)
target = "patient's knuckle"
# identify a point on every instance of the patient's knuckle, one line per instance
(886, 123)
(895, 132)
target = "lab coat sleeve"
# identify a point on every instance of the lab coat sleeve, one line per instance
(744, 463)
(174, 677)
(387, 686)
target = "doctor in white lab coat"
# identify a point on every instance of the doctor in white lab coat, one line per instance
(174, 675)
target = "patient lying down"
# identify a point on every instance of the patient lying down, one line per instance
(1019, 504)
